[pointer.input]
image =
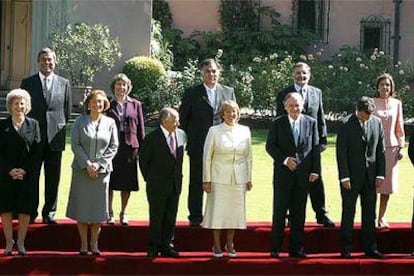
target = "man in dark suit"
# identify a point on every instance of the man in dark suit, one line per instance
(411, 155)
(361, 166)
(198, 112)
(160, 160)
(293, 143)
(51, 106)
(313, 106)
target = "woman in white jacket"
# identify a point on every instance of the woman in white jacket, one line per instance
(227, 175)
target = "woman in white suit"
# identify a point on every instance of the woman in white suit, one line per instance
(227, 175)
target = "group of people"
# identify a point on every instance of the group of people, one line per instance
(109, 142)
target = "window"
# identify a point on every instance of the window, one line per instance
(312, 16)
(375, 33)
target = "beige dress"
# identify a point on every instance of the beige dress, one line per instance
(227, 164)
(391, 114)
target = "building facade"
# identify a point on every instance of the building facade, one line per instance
(368, 24)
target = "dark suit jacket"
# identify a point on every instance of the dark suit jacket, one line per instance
(53, 118)
(312, 107)
(358, 157)
(280, 144)
(411, 148)
(197, 115)
(134, 121)
(159, 168)
(17, 150)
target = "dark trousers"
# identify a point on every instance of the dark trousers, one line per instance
(195, 189)
(163, 206)
(317, 197)
(51, 161)
(288, 195)
(368, 197)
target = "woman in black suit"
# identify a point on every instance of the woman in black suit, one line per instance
(19, 139)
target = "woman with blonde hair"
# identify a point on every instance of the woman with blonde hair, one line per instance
(94, 141)
(227, 175)
(19, 140)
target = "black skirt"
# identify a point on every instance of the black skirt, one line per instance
(124, 176)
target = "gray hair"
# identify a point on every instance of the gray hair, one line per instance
(18, 94)
(365, 104)
(46, 50)
(302, 64)
(121, 76)
(209, 61)
(166, 113)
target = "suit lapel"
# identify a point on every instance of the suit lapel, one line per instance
(287, 125)
(203, 94)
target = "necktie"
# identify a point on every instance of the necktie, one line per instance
(303, 93)
(46, 92)
(295, 131)
(364, 128)
(172, 143)
(211, 97)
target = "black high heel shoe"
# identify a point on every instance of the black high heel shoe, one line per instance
(22, 251)
(9, 251)
(94, 249)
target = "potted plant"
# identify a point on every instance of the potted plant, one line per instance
(82, 50)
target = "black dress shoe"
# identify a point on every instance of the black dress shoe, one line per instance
(326, 222)
(47, 220)
(274, 254)
(374, 254)
(195, 223)
(300, 255)
(346, 254)
(170, 253)
(152, 253)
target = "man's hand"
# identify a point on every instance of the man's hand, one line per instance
(291, 163)
(378, 182)
(346, 185)
(313, 177)
(323, 147)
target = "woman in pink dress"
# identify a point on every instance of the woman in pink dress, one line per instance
(389, 109)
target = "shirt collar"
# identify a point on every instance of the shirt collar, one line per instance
(297, 120)
(42, 77)
(165, 132)
(210, 89)
(298, 87)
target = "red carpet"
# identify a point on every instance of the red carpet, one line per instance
(53, 250)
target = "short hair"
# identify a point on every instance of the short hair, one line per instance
(381, 78)
(295, 95)
(365, 104)
(209, 61)
(166, 113)
(123, 77)
(18, 94)
(46, 50)
(229, 104)
(92, 95)
(302, 64)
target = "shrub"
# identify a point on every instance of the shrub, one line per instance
(145, 74)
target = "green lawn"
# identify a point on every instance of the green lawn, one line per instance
(259, 200)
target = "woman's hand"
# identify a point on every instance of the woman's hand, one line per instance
(93, 170)
(249, 186)
(17, 173)
(400, 154)
(207, 187)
